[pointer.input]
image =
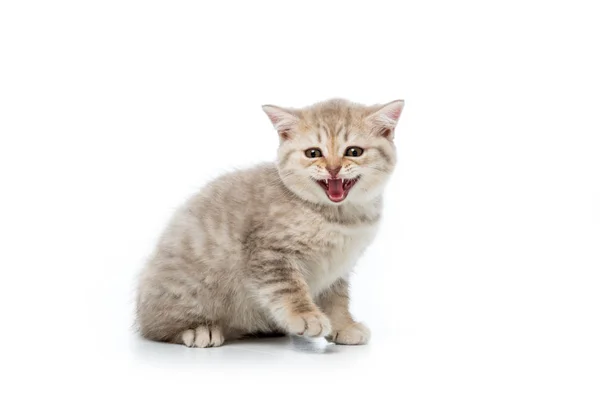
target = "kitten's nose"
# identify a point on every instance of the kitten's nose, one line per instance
(334, 170)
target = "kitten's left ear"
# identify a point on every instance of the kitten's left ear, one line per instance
(386, 118)
(282, 119)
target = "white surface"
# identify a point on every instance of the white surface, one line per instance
(484, 281)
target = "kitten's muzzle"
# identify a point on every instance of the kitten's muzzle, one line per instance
(337, 188)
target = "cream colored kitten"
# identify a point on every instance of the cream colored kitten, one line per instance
(270, 249)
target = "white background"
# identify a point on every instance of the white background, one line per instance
(484, 282)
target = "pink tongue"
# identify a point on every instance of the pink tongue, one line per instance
(335, 188)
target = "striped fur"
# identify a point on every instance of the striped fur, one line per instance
(264, 250)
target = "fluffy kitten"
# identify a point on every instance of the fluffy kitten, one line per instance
(270, 249)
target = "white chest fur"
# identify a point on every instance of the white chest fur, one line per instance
(342, 246)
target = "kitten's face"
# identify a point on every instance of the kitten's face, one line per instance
(336, 152)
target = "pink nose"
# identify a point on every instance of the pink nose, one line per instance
(334, 171)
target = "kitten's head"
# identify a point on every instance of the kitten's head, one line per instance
(336, 151)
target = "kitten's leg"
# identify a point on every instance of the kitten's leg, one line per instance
(335, 303)
(280, 287)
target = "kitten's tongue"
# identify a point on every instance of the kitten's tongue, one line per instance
(335, 189)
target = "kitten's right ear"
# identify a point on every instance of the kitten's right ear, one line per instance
(386, 117)
(283, 120)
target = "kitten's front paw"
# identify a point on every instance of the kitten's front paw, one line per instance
(313, 324)
(356, 333)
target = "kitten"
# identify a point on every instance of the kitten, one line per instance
(270, 249)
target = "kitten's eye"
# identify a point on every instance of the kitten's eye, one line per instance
(354, 152)
(313, 153)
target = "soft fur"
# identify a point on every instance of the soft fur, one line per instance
(265, 250)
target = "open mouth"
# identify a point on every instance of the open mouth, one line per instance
(337, 189)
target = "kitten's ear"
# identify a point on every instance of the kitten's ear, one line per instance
(282, 119)
(385, 118)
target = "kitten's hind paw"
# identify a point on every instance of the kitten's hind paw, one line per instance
(202, 336)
